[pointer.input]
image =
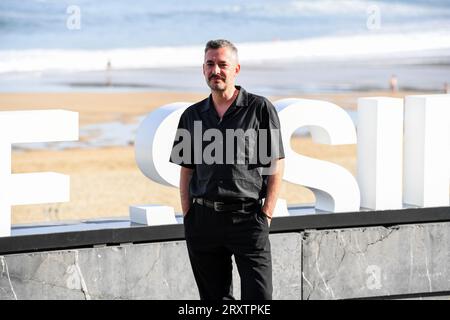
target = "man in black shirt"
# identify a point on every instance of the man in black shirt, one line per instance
(231, 155)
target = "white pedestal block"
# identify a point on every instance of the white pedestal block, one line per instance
(152, 215)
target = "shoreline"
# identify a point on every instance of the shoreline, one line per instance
(100, 107)
(422, 72)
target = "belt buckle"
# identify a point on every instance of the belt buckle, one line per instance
(217, 204)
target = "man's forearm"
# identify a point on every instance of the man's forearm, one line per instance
(185, 179)
(273, 188)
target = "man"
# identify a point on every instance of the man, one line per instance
(221, 189)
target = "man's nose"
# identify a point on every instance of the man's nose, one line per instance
(216, 69)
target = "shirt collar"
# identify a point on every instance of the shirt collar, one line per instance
(241, 100)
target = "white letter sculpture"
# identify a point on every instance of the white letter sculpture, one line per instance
(32, 188)
(425, 157)
(427, 150)
(153, 146)
(380, 145)
(335, 189)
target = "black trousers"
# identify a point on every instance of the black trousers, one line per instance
(213, 237)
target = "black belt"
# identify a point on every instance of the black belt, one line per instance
(225, 206)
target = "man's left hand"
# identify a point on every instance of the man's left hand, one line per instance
(268, 216)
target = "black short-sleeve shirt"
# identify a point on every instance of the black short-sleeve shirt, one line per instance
(230, 157)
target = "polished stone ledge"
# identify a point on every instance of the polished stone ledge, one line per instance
(89, 233)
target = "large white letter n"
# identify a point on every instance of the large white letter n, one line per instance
(31, 188)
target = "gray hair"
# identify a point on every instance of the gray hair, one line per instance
(222, 43)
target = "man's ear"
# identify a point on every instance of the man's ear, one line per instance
(237, 69)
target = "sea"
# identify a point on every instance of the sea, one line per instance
(285, 46)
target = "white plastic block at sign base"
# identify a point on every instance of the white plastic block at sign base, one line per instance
(152, 215)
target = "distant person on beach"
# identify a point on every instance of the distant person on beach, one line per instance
(108, 72)
(221, 200)
(393, 83)
(446, 87)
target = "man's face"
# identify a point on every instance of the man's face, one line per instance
(220, 69)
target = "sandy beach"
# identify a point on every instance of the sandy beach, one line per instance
(106, 181)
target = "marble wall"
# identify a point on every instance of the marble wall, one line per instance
(315, 264)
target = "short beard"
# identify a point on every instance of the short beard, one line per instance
(216, 87)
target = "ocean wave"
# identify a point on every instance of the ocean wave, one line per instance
(29, 9)
(315, 49)
(347, 7)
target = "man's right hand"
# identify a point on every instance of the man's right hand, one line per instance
(185, 178)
